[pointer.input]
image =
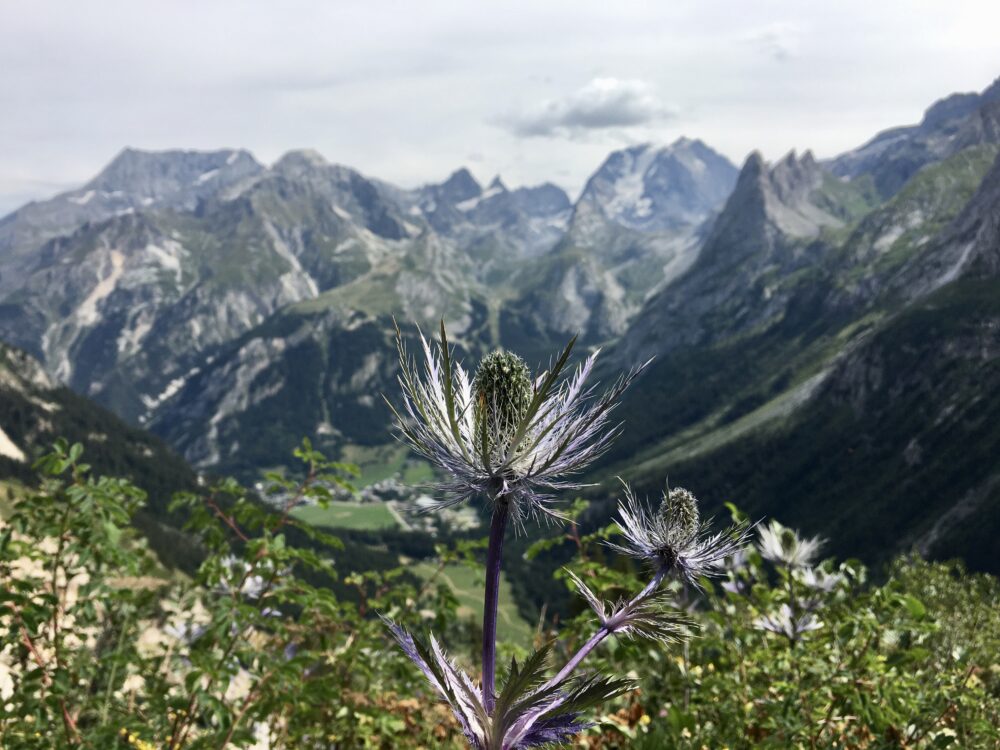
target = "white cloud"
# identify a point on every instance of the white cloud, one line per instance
(602, 104)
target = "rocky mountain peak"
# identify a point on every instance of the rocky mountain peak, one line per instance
(460, 186)
(134, 181)
(542, 200)
(300, 161)
(496, 184)
(753, 168)
(768, 203)
(949, 125)
(159, 175)
(750, 189)
(653, 189)
(794, 178)
(951, 107)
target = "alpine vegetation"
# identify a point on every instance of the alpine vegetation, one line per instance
(807, 589)
(515, 439)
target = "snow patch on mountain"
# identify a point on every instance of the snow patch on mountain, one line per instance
(629, 190)
(206, 176)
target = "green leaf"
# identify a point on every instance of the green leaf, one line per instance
(915, 606)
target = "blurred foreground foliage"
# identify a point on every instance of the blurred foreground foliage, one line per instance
(101, 647)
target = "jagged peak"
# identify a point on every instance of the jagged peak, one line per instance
(780, 195)
(462, 174)
(497, 184)
(789, 159)
(754, 165)
(461, 185)
(793, 164)
(751, 183)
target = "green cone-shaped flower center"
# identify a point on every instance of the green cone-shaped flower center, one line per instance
(502, 393)
(679, 513)
(788, 541)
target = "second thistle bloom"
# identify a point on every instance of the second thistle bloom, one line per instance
(783, 546)
(504, 433)
(672, 539)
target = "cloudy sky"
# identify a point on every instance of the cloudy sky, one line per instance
(408, 91)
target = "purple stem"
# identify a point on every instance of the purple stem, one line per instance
(605, 630)
(497, 528)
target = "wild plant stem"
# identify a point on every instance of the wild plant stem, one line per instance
(605, 630)
(498, 525)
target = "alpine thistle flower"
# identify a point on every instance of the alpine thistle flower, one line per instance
(513, 439)
(789, 624)
(502, 433)
(817, 579)
(782, 545)
(673, 540)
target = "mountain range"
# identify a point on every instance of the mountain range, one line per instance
(824, 332)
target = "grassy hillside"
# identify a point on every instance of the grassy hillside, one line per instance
(348, 515)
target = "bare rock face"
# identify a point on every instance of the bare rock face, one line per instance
(764, 235)
(637, 226)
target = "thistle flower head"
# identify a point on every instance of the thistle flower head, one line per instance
(672, 539)
(789, 624)
(817, 579)
(529, 712)
(503, 433)
(782, 545)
